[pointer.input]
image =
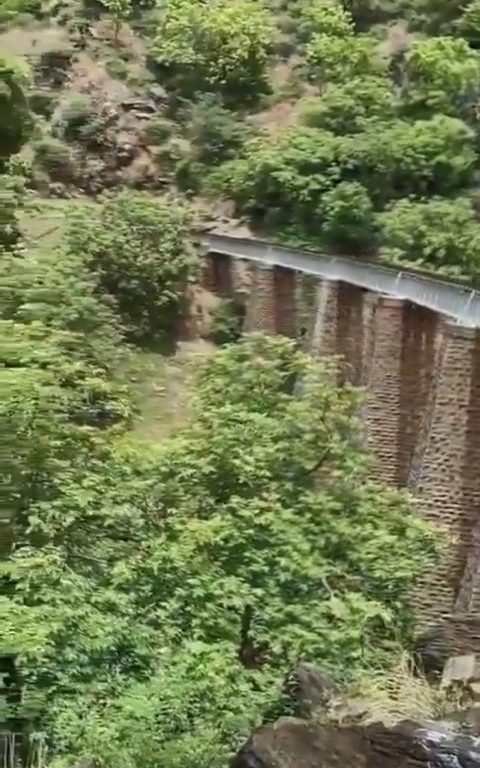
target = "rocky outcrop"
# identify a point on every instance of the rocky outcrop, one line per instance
(294, 743)
(308, 689)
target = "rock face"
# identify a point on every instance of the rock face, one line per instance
(309, 689)
(294, 743)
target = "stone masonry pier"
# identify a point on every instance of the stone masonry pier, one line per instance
(420, 369)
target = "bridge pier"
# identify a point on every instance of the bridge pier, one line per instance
(421, 375)
(447, 485)
(386, 387)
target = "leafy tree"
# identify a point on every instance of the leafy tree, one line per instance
(220, 46)
(215, 132)
(348, 217)
(290, 173)
(338, 59)
(441, 75)
(120, 11)
(257, 542)
(140, 252)
(345, 108)
(434, 156)
(325, 17)
(15, 123)
(411, 235)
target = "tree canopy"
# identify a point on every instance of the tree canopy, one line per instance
(257, 542)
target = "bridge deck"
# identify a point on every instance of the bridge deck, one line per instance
(456, 301)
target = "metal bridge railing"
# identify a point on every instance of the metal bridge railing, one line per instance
(456, 301)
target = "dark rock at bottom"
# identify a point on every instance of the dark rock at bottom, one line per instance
(294, 743)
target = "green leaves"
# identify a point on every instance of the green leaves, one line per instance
(16, 122)
(411, 235)
(441, 75)
(219, 46)
(139, 250)
(173, 586)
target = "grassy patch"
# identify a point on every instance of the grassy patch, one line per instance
(160, 386)
(43, 221)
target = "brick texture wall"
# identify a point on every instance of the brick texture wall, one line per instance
(421, 376)
(385, 390)
(440, 485)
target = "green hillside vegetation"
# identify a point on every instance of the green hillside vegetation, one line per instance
(161, 579)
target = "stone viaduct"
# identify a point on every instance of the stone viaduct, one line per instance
(412, 343)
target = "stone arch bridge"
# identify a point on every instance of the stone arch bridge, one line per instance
(413, 343)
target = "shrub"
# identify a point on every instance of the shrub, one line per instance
(348, 216)
(117, 68)
(214, 131)
(53, 157)
(399, 693)
(42, 102)
(345, 107)
(139, 248)
(11, 9)
(15, 116)
(226, 323)
(158, 130)
(74, 116)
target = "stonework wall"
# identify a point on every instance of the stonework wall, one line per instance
(421, 377)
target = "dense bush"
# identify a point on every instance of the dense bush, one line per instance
(140, 250)
(345, 108)
(441, 75)
(238, 565)
(158, 130)
(215, 133)
(294, 171)
(220, 46)
(73, 117)
(15, 122)
(53, 157)
(226, 323)
(439, 234)
(11, 10)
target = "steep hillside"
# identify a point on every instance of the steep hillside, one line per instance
(347, 125)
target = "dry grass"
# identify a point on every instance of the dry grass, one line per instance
(396, 694)
(33, 41)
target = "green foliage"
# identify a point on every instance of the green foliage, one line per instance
(11, 195)
(325, 17)
(117, 68)
(167, 640)
(468, 25)
(345, 108)
(139, 249)
(215, 133)
(226, 323)
(74, 117)
(292, 172)
(441, 75)
(220, 46)
(412, 235)
(120, 11)
(338, 59)
(15, 121)
(11, 10)
(348, 216)
(192, 712)
(158, 130)
(53, 156)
